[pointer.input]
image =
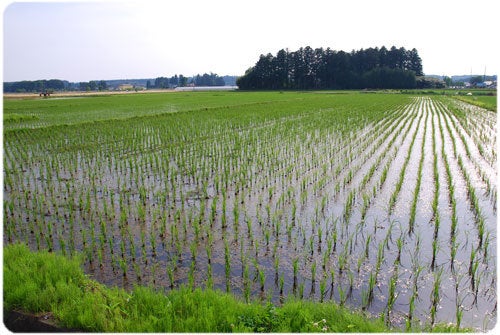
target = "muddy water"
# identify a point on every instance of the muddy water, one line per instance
(270, 214)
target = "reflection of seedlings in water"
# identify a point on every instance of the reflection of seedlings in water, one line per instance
(399, 243)
(295, 265)
(342, 261)
(388, 235)
(473, 265)
(208, 250)
(213, 211)
(137, 270)
(417, 269)
(371, 285)
(367, 246)
(435, 295)
(325, 258)
(342, 295)
(249, 228)
(311, 245)
(276, 267)
(170, 271)
(227, 265)
(37, 239)
(210, 283)
(380, 258)
(313, 272)
(486, 247)
(262, 278)
(392, 295)
(236, 224)
(301, 290)
(322, 288)
(349, 202)
(62, 245)
(123, 266)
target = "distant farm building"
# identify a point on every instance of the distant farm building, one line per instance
(125, 87)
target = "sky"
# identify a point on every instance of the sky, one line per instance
(82, 41)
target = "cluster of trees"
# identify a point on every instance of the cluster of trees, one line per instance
(206, 79)
(165, 82)
(53, 85)
(93, 85)
(320, 68)
(36, 86)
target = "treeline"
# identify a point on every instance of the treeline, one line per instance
(166, 82)
(30, 86)
(52, 85)
(206, 79)
(93, 85)
(320, 68)
(36, 86)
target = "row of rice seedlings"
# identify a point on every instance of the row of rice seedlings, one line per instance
(413, 206)
(399, 183)
(367, 197)
(368, 294)
(346, 162)
(435, 295)
(474, 261)
(470, 126)
(477, 167)
(416, 271)
(392, 294)
(369, 153)
(368, 141)
(471, 193)
(452, 199)
(406, 126)
(435, 200)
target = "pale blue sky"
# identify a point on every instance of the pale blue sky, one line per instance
(81, 41)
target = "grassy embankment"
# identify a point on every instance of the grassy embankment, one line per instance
(48, 282)
(484, 101)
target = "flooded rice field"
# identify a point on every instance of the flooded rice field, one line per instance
(387, 207)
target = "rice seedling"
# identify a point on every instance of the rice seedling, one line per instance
(392, 295)
(191, 272)
(313, 272)
(367, 246)
(262, 279)
(435, 295)
(124, 266)
(209, 281)
(227, 265)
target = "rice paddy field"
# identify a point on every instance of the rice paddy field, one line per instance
(384, 203)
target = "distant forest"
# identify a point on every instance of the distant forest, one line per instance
(309, 68)
(53, 85)
(206, 79)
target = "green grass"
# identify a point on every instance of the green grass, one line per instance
(485, 101)
(43, 281)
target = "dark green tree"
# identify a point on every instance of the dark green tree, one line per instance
(327, 69)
